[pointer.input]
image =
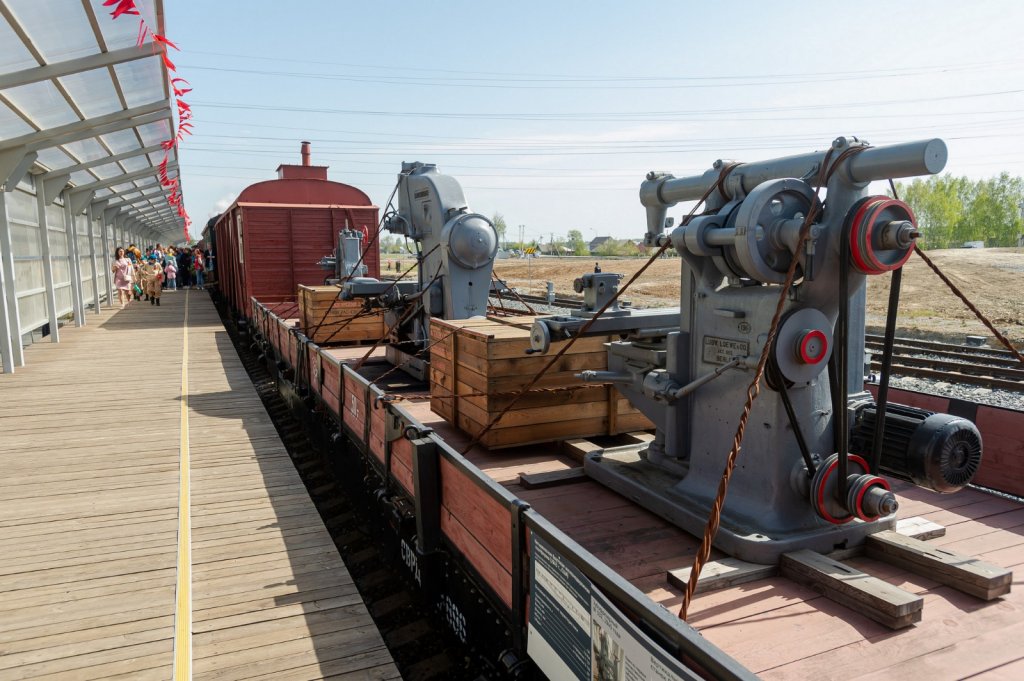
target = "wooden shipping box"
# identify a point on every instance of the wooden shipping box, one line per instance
(327, 319)
(477, 366)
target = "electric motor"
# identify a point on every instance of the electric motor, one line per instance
(940, 452)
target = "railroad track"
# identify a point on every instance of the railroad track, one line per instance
(933, 360)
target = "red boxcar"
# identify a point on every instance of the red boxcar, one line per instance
(270, 239)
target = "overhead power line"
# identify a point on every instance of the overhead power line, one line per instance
(584, 83)
(605, 116)
(610, 77)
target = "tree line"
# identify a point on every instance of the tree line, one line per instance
(952, 211)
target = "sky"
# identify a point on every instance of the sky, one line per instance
(551, 113)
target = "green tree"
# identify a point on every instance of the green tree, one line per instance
(500, 227)
(953, 210)
(576, 244)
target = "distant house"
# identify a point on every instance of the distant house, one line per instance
(596, 243)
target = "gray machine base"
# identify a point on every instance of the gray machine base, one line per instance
(634, 477)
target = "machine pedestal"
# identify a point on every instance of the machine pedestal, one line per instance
(631, 475)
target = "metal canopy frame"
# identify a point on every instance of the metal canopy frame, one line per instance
(83, 114)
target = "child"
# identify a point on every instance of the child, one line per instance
(171, 274)
(156, 278)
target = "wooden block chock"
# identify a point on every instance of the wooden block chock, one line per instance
(565, 476)
(963, 573)
(721, 574)
(859, 591)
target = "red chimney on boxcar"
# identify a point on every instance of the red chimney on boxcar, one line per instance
(270, 239)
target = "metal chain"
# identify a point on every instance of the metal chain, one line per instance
(825, 172)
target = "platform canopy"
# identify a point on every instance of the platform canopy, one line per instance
(83, 107)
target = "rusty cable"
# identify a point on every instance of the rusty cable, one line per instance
(825, 172)
(590, 322)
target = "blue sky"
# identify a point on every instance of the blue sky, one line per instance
(551, 113)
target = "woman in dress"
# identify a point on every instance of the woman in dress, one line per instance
(122, 270)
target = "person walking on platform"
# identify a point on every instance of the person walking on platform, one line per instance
(185, 268)
(198, 268)
(122, 270)
(171, 274)
(156, 278)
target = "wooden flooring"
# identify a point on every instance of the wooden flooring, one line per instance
(89, 449)
(775, 627)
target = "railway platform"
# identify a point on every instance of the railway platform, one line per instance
(152, 523)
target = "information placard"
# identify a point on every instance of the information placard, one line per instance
(575, 632)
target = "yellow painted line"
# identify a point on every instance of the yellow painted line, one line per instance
(183, 590)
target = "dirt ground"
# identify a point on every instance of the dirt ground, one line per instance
(992, 278)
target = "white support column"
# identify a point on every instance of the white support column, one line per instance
(92, 259)
(44, 240)
(109, 248)
(6, 337)
(74, 261)
(10, 324)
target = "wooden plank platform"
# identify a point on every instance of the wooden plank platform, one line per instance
(89, 515)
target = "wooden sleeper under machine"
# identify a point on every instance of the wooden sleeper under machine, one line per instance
(811, 472)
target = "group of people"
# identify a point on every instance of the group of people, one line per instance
(139, 275)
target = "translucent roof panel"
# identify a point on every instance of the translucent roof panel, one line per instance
(93, 92)
(14, 56)
(55, 159)
(11, 124)
(121, 141)
(142, 81)
(86, 150)
(107, 171)
(43, 103)
(135, 163)
(155, 133)
(123, 32)
(51, 24)
(82, 177)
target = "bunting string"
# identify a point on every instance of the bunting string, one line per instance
(180, 87)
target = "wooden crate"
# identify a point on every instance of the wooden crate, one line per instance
(326, 319)
(478, 365)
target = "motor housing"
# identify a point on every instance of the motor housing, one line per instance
(940, 452)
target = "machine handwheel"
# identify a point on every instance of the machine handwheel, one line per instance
(770, 204)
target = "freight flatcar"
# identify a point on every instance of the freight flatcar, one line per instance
(270, 239)
(543, 568)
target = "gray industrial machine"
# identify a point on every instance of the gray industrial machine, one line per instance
(456, 249)
(347, 260)
(804, 476)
